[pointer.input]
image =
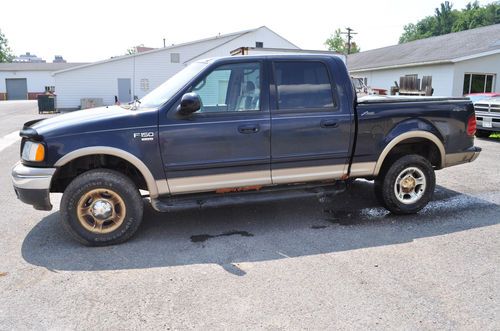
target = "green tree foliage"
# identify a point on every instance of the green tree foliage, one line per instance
(446, 20)
(5, 52)
(338, 43)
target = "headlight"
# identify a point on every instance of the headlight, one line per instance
(34, 152)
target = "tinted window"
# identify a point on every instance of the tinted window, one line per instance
(232, 87)
(303, 85)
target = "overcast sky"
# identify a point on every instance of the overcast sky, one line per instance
(89, 30)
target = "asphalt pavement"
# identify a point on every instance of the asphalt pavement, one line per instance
(298, 264)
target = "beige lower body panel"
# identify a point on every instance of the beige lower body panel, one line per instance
(213, 182)
(361, 169)
(207, 183)
(307, 174)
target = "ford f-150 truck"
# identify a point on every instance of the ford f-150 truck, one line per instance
(238, 129)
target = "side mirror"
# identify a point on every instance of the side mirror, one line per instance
(190, 103)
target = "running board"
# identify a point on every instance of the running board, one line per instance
(212, 200)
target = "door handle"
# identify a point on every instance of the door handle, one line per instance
(329, 124)
(253, 128)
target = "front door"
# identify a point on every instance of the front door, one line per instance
(310, 130)
(226, 144)
(124, 90)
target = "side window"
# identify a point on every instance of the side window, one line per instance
(230, 88)
(303, 85)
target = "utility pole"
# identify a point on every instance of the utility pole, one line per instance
(349, 34)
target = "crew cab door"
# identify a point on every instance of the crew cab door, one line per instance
(311, 132)
(226, 144)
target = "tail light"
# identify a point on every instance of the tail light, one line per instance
(471, 125)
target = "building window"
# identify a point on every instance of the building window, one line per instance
(259, 44)
(50, 89)
(175, 57)
(144, 84)
(478, 83)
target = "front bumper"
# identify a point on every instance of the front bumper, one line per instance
(467, 156)
(494, 121)
(32, 185)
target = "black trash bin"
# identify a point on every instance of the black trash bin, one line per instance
(46, 103)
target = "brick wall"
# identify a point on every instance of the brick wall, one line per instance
(33, 95)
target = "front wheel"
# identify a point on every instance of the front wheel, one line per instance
(407, 185)
(101, 207)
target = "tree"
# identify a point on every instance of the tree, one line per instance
(131, 50)
(5, 52)
(446, 20)
(337, 43)
(445, 17)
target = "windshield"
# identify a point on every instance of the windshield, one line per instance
(165, 91)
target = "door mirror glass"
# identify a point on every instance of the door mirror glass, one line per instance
(190, 103)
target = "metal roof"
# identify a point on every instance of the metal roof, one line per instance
(36, 66)
(449, 48)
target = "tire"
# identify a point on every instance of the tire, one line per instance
(416, 183)
(101, 207)
(483, 133)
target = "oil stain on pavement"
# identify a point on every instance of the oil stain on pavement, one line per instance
(204, 237)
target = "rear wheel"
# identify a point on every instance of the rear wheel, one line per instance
(406, 185)
(101, 207)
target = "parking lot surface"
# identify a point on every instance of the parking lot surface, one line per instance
(298, 264)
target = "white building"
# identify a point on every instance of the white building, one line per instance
(21, 81)
(459, 63)
(136, 75)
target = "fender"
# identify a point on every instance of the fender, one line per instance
(155, 187)
(407, 135)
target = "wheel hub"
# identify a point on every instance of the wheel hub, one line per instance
(102, 209)
(408, 184)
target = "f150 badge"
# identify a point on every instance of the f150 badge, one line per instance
(144, 136)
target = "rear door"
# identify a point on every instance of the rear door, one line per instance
(310, 132)
(226, 144)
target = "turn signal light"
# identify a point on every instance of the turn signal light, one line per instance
(34, 152)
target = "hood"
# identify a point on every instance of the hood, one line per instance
(87, 120)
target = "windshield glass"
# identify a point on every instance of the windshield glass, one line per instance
(165, 91)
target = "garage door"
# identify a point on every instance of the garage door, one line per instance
(17, 88)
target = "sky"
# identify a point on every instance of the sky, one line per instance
(89, 30)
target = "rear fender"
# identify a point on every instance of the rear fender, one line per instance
(412, 128)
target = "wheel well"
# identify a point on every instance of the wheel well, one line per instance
(66, 173)
(420, 146)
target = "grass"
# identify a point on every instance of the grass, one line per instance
(495, 135)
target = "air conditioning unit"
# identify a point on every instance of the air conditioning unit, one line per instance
(86, 103)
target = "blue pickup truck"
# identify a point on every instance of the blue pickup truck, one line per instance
(238, 129)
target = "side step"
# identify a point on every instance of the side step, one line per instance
(210, 200)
